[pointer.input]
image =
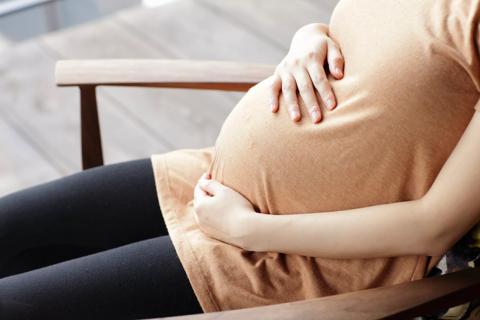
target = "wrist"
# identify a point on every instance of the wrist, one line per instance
(266, 232)
(261, 232)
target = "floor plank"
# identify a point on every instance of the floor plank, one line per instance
(191, 31)
(29, 101)
(17, 169)
(275, 21)
(51, 115)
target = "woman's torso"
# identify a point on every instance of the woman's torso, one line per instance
(411, 82)
(403, 104)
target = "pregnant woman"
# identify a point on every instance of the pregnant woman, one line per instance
(367, 177)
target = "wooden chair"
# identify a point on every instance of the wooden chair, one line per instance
(402, 301)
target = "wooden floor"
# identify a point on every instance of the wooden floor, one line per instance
(39, 123)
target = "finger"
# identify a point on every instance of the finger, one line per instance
(335, 59)
(211, 186)
(205, 175)
(196, 217)
(199, 196)
(275, 87)
(197, 186)
(320, 81)
(289, 91)
(306, 90)
(198, 193)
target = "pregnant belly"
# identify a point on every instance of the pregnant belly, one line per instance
(285, 167)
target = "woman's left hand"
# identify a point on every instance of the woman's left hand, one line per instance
(221, 212)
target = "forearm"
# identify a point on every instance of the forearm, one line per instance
(393, 229)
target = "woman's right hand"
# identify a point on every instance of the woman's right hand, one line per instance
(303, 68)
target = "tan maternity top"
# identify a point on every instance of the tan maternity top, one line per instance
(411, 85)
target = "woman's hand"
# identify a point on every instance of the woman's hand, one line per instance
(221, 212)
(303, 68)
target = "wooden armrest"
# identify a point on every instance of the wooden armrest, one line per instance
(192, 74)
(402, 301)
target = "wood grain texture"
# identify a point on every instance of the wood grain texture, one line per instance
(31, 100)
(215, 75)
(192, 74)
(402, 301)
(274, 21)
(135, 122)
(92, 154)
(16, 168)
(50, 115)
(187, 30)
(177, 118)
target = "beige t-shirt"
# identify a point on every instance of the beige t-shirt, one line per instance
(411, 85)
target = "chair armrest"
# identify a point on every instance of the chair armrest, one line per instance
(402, 301)
(192, 74)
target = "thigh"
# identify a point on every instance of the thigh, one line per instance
(140, 280)
(92, 210)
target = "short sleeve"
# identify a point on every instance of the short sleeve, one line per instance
(476, 53)
(477, 107)
(474, 66)
(473, 61)
(467, 38)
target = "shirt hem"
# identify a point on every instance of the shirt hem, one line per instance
(180, 241)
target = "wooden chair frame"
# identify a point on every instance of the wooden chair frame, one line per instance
(402, 301)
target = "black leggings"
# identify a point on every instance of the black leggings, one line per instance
(90, 245)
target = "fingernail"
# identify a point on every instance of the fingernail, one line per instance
(294, 114)
(315, 114)
(330, 104)
(338, 71)
(272, 106)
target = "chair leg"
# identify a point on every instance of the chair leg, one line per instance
(90, 128)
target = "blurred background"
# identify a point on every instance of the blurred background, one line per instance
(39, 123)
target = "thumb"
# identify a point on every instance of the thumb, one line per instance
(210, 185)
